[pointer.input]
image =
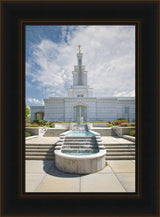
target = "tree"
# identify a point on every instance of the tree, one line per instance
(27, 113)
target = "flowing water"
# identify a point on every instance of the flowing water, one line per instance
(80, 141)
(85, 133)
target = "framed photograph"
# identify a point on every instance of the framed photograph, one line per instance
(78, 134)
(80, 108)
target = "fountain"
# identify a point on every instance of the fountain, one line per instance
(80, 151)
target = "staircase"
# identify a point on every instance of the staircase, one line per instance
(39, 151)
(120, 151)
(85, 144)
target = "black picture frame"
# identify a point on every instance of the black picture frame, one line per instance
(145, 15)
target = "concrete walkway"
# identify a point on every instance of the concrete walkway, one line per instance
(43, 176)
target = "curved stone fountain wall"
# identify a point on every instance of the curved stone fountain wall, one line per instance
(84, 164)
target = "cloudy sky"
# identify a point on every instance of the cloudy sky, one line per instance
(108, 53)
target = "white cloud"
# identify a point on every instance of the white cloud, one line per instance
(109, 56)
(35, 101)
(125, 93)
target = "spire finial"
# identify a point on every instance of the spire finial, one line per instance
(79, 48)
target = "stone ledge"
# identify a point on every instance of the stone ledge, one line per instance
(131, 138)
(31, 137)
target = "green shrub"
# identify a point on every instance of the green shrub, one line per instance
(49, 125)
(110, 125)
(132, 133)
(41, 121)
(27, 134)
(36, 121)
(122, 119)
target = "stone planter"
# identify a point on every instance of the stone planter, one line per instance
(120, 131)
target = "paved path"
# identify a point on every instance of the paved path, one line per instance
(43, 176)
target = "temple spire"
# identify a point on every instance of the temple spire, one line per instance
(79, 48)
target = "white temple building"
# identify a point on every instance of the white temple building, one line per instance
(80, 95)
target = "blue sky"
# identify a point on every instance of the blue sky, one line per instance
(108, 53)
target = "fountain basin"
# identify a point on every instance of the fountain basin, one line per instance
(80, 164)
(85, 133)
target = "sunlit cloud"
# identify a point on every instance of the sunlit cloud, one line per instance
(35, 101)
(108, 53)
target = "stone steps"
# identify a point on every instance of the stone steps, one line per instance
(79, 140)
(120, 158)
(30, 153)
(120, 153)
(109, 144)
(115, 151)
(79, 146)
(119, 146)
(79, 137)
(39, 151)
(39, 147)
(39, 157)
(37, 144)
(124, 151)
(120, 150)
(79, 143)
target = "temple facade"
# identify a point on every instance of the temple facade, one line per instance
(81, 100)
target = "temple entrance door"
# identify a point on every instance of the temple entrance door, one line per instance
(82, 109)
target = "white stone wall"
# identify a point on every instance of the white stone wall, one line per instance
(85, 90)
(126, 102)
(105, 109)
(68, 109)
(111, 109)
(91, 109)
(54, 109)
